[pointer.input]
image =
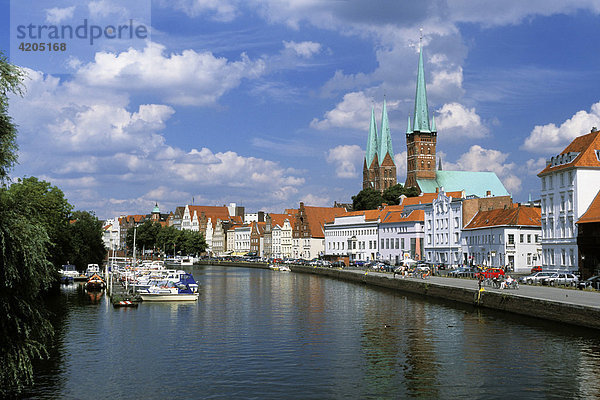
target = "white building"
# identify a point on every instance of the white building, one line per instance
(285, 232)
(112, 234)
(570, 182)
(353, 235)
(242, 239)
(401, 234)
(443, 226)
(504, 238)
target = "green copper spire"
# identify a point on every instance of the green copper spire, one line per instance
(372, 141)
(408, 130)
(386, 137)
(421, 114)
(433, 124)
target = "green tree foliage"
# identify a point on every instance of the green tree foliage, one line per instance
(46, 205)
(392, 194)
(10, 82)
(192, 243)
(166, 239)
(370, 199)
(25, 271)
(85, 237)
(367, 199)
(145, 236)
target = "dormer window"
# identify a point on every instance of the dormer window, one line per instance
(598, 155)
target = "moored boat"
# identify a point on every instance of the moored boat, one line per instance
(95, 282)
(184, 290)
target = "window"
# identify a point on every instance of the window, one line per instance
(544, 183)
(521, 238)
(397, 243)
(528, 238)
(511, 238)
(537, 238)
(403, 242)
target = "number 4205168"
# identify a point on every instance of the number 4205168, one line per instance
(25, 46)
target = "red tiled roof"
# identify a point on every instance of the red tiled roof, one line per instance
(593, 212)
(212, 212)
(279, 219)
(517, 216)
(318, 216)
(396, 216)
(586, 146)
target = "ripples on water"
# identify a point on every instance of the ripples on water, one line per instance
(258, 334)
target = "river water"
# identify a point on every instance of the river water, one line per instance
(260, 334)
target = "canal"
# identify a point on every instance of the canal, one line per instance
(260, 334)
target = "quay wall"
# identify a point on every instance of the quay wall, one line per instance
(514, 303)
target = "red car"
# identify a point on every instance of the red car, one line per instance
(537, 268)
(491, 273)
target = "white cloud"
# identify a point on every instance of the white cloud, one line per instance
(480, 159)
(110, 147)
(354, 112)
(219, 10)
(303, 49)
(345, 158)
(186, 78)
(57, 15)
(551, 139)
(400, 160)
(105, 8)
(316, 200)
(459, 121)
(533, 167)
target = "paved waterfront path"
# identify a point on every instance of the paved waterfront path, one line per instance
(563, 295)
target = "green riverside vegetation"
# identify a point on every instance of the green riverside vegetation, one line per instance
(38, 233)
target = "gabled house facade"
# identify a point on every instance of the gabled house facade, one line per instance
(507, 238)
(308, 237)
(570, 181)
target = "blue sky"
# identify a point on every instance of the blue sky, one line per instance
(267, 102)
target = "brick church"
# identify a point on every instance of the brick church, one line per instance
(379, 168)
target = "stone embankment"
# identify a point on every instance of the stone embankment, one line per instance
(561, 305)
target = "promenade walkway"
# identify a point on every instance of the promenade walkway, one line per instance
(558, 294)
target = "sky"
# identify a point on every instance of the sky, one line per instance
(267, 103)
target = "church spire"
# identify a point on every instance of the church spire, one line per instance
(386, 137)
(372, 140)
(421, 114)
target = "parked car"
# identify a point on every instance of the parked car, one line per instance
(593, 282)
(537, 268)
(536, 278)
(560, 278)
(491, 273)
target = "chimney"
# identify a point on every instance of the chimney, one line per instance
(437, 189)
(488, 193)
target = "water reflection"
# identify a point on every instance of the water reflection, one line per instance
(264, 334)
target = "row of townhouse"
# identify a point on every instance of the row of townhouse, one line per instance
(430, 228)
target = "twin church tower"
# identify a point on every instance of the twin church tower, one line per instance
(379, 170)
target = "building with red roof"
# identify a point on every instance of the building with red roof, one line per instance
(570, 182)
(308, 237)
(508, 237)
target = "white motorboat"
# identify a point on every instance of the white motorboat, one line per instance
(171, 294)
(184, 290)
